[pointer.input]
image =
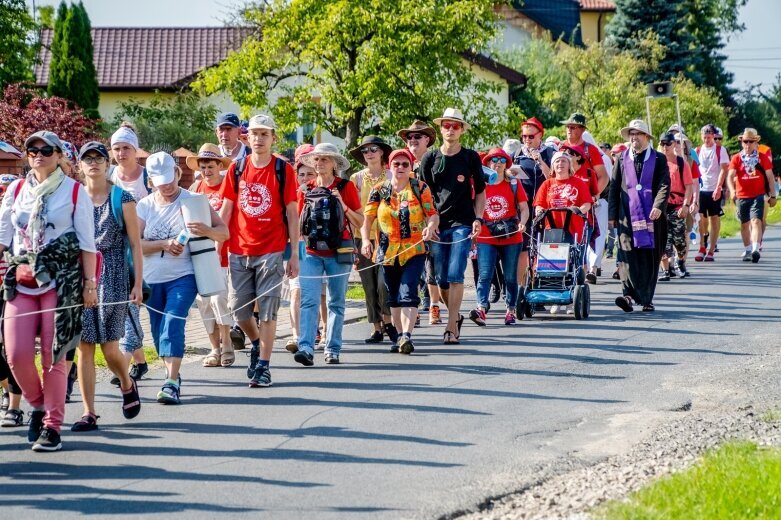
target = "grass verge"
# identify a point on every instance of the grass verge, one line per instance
(738, 480)
(730, 226)
(355, 292)
(100, 361)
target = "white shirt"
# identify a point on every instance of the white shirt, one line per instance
(15, 214)
(136, 188)
(710, 167)
(162, 222)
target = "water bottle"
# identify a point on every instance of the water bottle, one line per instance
(183, 237)
(326, 210)
(694, 236)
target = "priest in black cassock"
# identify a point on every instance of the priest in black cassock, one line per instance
(637, 204)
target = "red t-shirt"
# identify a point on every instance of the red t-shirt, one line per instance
(750, 184)
(678, 182)
(214, 197)
(257, 227)
(350, 197)
(499, 205)
(554, 193)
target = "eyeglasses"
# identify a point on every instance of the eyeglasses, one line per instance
(500, 160)
(93, 159)
(633, 133)
(529, 136)
(46, 151)
(370, 149)
(415, 137)
(402, 164)
(451, 126)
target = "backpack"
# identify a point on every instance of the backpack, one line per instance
(386, 191)
(322, 219)
(115, 197)
(144, 174)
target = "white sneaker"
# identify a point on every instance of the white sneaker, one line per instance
(745, 253)
(554, 309)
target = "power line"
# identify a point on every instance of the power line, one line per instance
(753, 59)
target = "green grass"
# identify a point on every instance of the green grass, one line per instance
(738, 480)
(730, 226)
(100, 361)
(355, 292)
(772, 416)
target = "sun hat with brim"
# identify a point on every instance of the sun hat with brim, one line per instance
(161, 168)
(300, 151)
(638, 125)
(575, 119)
(749, 134)
(47, 137)
(453, 114)
(326, 150)
(681, 138)
(370, 140)
(401, 152)
(93, 146)
(497, 152)
(419, 127)
(209, 152)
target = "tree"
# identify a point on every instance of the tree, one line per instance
(354, 68)
(46, 16)
(604, 84)
(169, 123)
(24, 111)
(72, 72)
(17, 47)
(761, 110)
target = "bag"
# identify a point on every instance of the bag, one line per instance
(322, 219)
(119, 217)
(279, 171)
(503, 228)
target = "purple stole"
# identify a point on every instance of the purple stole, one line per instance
(640, 199)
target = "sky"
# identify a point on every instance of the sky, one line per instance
(753, 55)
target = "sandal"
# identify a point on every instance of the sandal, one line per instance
(649, 308)
(212, 359)
(131, 402)
(624, 303)
(87, 423)
(228, 358)
(448, 338)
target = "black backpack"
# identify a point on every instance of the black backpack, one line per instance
(322, 219)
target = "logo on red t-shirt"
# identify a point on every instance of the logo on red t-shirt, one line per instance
(254, 199)
(563, 195)
(496, 207)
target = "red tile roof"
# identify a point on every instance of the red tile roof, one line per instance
(131, 58)
(597, 5)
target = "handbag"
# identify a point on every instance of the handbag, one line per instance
(503, 228)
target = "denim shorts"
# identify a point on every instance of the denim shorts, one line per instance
(450, 258)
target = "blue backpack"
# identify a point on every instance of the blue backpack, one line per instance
(117, 212)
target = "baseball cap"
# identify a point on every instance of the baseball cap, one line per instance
(47, 137)
(228, 118)
(261, 121)
(93, 146)
(161, 168)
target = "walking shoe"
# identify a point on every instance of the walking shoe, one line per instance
(169, 393)
(599, 272)
(405, 344)
(478, 316)
(5, 402)
(494, 294)
(376, 337)
(554, 309)
(35, 425)
(671, 271)
(434, 318)
(261, 378)
(709, 257)
(746, 254)
(664, 276)
(391, 332)
(320, 346)
(331, 358)
(254, 354)
(754, 257)
(682, 269)
(304, 357)
(291, 346)
(509, 318)
(700, 255)
(48, 440)
(238, 338)
(426, 303)
(137, 371)
(12, 418)
(591, 278)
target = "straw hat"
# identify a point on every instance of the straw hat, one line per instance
(750, 134)
(207, 151)
(637, 125)
(326, 150)
(453, 114)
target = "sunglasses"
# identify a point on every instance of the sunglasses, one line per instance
(500, 160)
(415, 137)
(747, 141)
(528, 136)
(718, 138)
(91, 159)
(451, 126)
(370, 149)
(46, 151)
(668, 143)
(400, 164)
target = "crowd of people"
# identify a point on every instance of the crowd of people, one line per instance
(87, 243)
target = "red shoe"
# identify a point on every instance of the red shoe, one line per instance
(709, 257)
(700, 255)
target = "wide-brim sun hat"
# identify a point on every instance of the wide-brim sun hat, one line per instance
(497, 152)
(371, 140)
(300, 152)
(453, 114)
(327, 150)
(209, 152)
(419, 127)
(750, 134)
(637, 125)
(575, 119)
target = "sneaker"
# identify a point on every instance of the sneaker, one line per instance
(391, 332)
(35, 425)
(137, 371)
(405, 345)
(671, 272)
(700, 255)
(434, 317)
(5, 402)
(746, 255)
(169, 394)
(394, 348)
(494, 294)
(254, 354)
(426, 303)
(48, 440)
(320, 346)
(331, 358)
(682, 269)
(238, 338)
(509, 318)
(591, 278)
(304, 357)
(754, 257)
(709, 257)
(291, 346)
(609, 254)
(12, 418)
(478, 316)
(261, 378)
(664, 276)
(376, 337)
(554, 309)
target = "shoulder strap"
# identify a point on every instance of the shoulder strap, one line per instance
(75, 197)
(145, 175)
(238, 171)
(359, 181)
(18, 189)
(342, 184)
(280, 171)
(681, 167)
(116, 207)
(415, 185)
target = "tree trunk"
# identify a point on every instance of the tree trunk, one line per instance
(353, 128)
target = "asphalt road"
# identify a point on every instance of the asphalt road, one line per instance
(388, 436)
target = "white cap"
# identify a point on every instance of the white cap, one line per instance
(161, 168)
(261, 121)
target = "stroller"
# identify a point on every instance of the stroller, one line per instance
(558, 276)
